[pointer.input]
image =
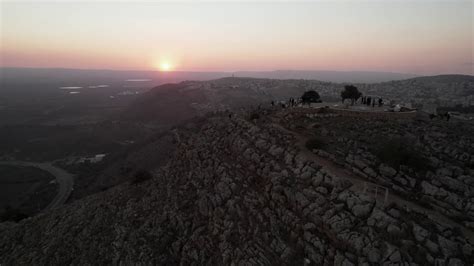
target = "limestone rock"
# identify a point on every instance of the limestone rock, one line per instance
(420, 233)
(386, 170)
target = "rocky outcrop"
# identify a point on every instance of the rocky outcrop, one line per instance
(443, 182)
(233, 193)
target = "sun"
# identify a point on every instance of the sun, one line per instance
(165, 66)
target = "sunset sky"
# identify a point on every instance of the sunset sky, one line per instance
(420, 37)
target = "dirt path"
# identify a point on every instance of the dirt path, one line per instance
(359, 184)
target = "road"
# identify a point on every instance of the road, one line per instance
(64, 179)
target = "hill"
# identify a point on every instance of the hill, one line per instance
(247, 192)
(445, 78)
(173, 103)
(169, 104)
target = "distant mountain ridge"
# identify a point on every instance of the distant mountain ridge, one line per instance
(329, 76)
(448, 78)
(7, 74)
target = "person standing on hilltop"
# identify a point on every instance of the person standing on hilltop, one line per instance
(380, 102)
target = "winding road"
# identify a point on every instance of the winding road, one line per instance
(65, 180)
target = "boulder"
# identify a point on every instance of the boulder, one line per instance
(373, 255)
(317, 179)
(275, 151)
(361, 210)
(429, 189)
(467, 250)
(322, 190)
(359, 163)
(370, 172)
(301, 199)
(393, 230)
(387, 171)
(420, 233)
(455, 262)
(380, 219)
(432, 246)
(339, 222)
(448, 247)
(306, 175)
(261, 144)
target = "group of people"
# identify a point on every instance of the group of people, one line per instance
(446, 116)
(367, 100)
(292, 102)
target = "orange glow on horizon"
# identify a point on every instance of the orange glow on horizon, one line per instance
(397, 36)
(165, 66)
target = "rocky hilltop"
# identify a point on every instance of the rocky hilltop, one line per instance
(249, 192)
(169, 104)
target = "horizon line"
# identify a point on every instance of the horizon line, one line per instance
(232, 72)
(219, 71)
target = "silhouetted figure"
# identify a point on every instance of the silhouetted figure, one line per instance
(373, 103)
(368, 101)
(448, 116)
(273, 103)
(380, 102)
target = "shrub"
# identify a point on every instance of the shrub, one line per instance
(140, 176)
(310, 97)
(254, 116)
(314, 143)
(400, 151)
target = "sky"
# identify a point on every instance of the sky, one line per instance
(417, 36)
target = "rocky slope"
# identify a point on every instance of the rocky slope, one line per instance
(235, 192)
(441, 175)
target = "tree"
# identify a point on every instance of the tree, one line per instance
(400, 151)
(350, 92)
(310, 97)
(140, 176)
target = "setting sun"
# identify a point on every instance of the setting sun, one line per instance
(165, 66)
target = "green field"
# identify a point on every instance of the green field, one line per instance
(25, 189)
